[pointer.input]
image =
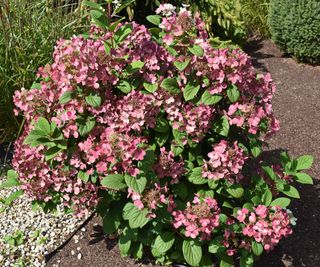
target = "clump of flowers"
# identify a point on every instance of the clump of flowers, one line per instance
(200, 218)
(158, 131)
(265, 225)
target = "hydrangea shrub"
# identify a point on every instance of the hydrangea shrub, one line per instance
(162, 134)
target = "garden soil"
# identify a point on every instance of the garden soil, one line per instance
(297, 105)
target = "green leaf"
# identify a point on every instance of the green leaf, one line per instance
(124, 245)
(162, 125)
(246, 259)
(290, 191)
(235, 190)
(213, 183)
(66, 97)
(224, 263)
(114, 181)
(221, 126)
(161, 138)
(122, 33)
(181, 65)
(164, 242)
(43, 125)
(13, 197)
(99, 18)
(154, 19)
(12, 180)
(209, 99)
(137, 218)
(36, 86)
(257, 248)
(83, 176)
(171, 85)
(233, 93)
(134, 66)
(85, 125)
(190, 91)
(124, 87)
(216, 246)
(177, 149)
(93, 5)
(304, 162)
(137, 250)
(52, 152)
(137, 185)
(192, 252)
(93, 100)
(267, 197)
(282, 202)
(195, 176)
(303, 178)
(112, 219)
(150, 87)
(196, 50)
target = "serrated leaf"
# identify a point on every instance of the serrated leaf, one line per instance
(122, 33)
(94, 100)
(114, 181)
(82, 175)
(43, 125)
(137, 218)
(209, 99)
(282, 202)
(196, 50)
(303, 178)
(215, 246)
(192, 252)
(181, 65)
(85, 125)
(171, 85)
(163, 242)
(154, 19)
(235, 190)
(221, 126)
(150, 87)
(124, 87)
(66, 97)
(195, 176)
(304, 162)
(124, 245)
(137, 250)
(267, 197)
(36, 85)
(257, 248)
(112, 219)
(134, 66)
(93, 5)
(190, 91)
(233, 94)
(52, 152)
(290, 191)
(136, 184)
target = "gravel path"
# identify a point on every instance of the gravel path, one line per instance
(26, 235)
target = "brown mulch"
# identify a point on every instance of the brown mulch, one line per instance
(297, 105)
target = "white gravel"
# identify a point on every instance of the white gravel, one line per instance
(40, 233)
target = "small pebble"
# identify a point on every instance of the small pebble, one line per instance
(79, 256)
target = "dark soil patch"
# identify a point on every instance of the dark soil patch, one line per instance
(296, 104)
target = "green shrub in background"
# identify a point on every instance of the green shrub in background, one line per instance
(295, 27)
(28, 32)
(255, 17)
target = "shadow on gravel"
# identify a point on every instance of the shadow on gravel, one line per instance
(253, 48)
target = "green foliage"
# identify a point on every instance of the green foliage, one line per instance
(255, 17)
(28, 32)
(294, 25)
